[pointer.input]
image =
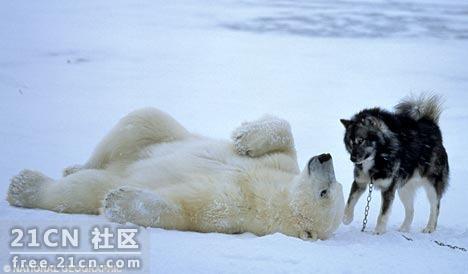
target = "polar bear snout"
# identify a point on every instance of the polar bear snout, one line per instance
(321, 167)
(320, 162)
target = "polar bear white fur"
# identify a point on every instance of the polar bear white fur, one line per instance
(151, 171)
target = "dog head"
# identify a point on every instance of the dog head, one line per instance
(364, 133)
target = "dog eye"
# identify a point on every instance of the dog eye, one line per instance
(358, 141)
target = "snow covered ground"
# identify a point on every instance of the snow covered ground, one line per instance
(70, 69)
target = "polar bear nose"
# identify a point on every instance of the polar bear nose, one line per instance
(321, 166)
(324, 157)
(319, 162)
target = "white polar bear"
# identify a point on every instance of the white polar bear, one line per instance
(151, 171)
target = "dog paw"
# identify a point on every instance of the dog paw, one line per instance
(71, 169)
(429, 229)
(25, 187)
(348, 218)
(379, 230)
(404, 228)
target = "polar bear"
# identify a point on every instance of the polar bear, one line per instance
(150, 171)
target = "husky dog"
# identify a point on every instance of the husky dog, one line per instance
(401, 150)
(151, 171)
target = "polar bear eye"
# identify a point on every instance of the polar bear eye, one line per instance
(324, 193)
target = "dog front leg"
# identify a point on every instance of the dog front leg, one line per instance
(388, 195)
(356, 192)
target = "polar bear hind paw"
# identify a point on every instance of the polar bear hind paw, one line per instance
(129, 204)
(24, 189)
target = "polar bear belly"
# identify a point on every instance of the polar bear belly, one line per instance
(191, 161)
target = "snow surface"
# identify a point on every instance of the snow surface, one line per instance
(70, 69)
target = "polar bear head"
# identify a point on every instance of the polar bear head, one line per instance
(317, 199)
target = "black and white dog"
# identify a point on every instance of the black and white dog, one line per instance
(398, 150)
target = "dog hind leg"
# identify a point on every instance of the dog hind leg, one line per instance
(406, 194)
(434, 201)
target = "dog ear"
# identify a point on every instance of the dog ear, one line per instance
(371, 121)
(345, 122)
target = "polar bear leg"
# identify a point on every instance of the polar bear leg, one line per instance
(80, 192)
(142, 207)
(132, 134)
(203, 211)
(268, 134)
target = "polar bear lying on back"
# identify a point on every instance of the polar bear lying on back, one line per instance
(151, 171)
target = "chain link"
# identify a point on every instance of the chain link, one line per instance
(439, 243)
(366, 211)
(450, 246)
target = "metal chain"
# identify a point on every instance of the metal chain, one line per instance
(366, 211)
(450, 246)
(439, 243)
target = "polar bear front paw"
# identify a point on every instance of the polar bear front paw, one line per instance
(24, 189)
(248, 139)
(118, 204)
(262, 136)
(241, 145)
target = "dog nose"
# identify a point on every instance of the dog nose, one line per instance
(353, 158)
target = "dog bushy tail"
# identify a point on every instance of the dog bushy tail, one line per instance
(422, 106)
